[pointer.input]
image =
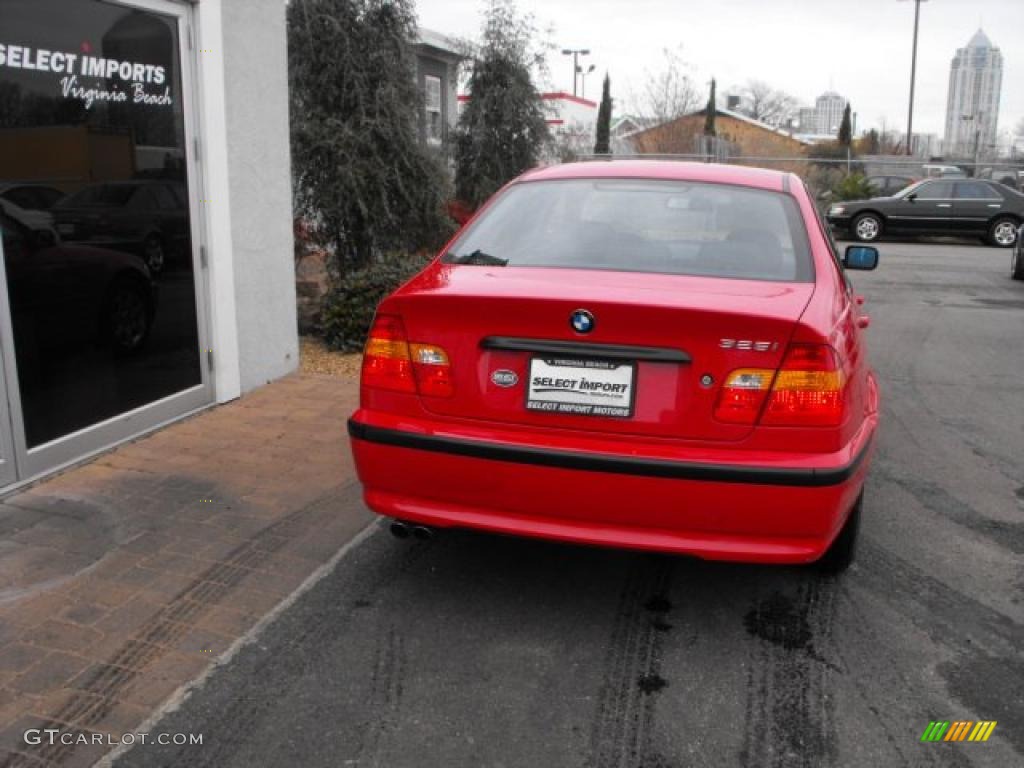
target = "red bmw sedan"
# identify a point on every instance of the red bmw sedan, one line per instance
(652, 355)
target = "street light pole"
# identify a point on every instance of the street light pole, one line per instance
(913, 76)
(583, 80)
(575, 53)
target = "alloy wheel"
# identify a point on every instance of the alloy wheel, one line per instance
(154, 255)
(867, 228)
(1005, 233)
(128, 318)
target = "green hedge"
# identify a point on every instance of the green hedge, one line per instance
(353, 297)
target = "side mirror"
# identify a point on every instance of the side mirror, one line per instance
(912, 197)
(860, 257)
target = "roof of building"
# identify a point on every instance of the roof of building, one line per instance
(747, 119)
(552, 96)
(563, 96)
(671, 170)
(438, 42)
(980, 40)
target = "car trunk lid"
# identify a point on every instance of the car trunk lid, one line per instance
(669, 340)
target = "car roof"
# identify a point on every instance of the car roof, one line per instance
(667, 170)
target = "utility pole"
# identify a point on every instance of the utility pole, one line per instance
(575, 53)
(913, 75)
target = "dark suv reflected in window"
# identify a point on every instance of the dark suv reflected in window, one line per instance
(148, 218)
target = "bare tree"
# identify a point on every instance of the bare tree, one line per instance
(769, 105)
(668, 93)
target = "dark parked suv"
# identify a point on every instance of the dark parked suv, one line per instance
(147, 218)
(965, 207)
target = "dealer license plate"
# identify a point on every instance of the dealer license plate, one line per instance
(584, 387)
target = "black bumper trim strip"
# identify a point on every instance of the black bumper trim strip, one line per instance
(623, 465)
(586, 349)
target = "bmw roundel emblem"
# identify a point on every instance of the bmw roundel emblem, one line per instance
(505, 378)
(582, 321)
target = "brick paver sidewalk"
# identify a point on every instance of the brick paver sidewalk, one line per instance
(125, 578)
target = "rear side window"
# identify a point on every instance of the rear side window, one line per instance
(975, 190)
(670, 227)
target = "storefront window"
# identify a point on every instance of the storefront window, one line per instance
(94, 210)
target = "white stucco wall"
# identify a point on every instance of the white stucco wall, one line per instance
(244, 90)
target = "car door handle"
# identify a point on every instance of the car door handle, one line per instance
(943, 205)
(994, 205)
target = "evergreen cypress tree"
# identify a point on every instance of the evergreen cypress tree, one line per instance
(846, 128)
(604, 120)
(710, 111)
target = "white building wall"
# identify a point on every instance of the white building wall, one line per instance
(247, 174)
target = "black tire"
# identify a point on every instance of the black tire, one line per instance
(1017, 263)
(840, 555)
(999, 232)
(154, 254)
(867, 227)
(127, 316)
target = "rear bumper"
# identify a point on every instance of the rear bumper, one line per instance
(756, 511)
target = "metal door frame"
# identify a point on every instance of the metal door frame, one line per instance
(8, 452)
(76, 446)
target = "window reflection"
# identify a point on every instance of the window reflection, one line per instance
(94, 211)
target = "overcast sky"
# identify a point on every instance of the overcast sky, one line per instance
(860, 48)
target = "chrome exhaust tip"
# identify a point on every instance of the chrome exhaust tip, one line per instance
(422, 532)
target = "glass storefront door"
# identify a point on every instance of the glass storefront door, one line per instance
(104, 321)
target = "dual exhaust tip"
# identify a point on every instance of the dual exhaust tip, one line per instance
(403, 530)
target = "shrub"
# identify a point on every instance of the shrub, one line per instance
(349, 306)
(853, 187)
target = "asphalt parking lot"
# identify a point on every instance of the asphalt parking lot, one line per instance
(472, 650)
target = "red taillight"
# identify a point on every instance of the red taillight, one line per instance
(742, 395)
(386, 362)
(391, 362)
(806, 391)
(432, 369)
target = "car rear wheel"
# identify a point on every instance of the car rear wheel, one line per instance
(840, 555)
(1017, 264)
(128, 317)
(867, 227)
(1003, 233)
(153, 253)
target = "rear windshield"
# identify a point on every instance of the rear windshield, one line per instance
(670, 227)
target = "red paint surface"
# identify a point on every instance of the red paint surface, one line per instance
(455, 306)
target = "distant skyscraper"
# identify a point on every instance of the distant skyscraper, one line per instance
(829, 107)
(807, 119)
(972, 106)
